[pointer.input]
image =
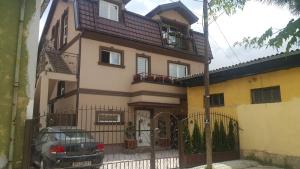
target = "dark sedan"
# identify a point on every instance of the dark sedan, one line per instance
(66, 147)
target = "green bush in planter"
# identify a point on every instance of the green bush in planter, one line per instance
(230, 136)
(197, 140)
(188, 149)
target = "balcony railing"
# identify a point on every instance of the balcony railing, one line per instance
(154, 78)
(181, 42)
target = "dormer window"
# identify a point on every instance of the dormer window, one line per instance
(173, 36)
(108, 10)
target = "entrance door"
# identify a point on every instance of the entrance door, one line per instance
(143, 128)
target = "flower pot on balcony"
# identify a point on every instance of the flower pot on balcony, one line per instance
(137, 78)
(164, 142)
(150, 78)
(130, 143)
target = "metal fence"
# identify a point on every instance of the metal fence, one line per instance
(105, 137)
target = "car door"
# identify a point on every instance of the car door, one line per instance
(39, 141)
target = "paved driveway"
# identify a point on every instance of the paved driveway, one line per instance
(239, 164)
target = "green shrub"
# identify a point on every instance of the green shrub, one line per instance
(230, 136)
(215, 136)
(197, 140)
(187, 140)
(223, 140)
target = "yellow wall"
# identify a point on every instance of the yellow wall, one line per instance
(271, 128)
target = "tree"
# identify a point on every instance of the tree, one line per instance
(215, 136)
(230, 136)
(289, 35)
(222, 141)
(197, 140)
(187, 140)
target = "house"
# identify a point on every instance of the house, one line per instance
(95, 52)
(264, 96)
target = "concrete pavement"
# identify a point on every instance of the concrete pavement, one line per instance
(239, 164)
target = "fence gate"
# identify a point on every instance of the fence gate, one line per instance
(225, 139)
(102, 137)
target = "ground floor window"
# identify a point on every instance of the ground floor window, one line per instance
(266, 95)
(109, 117)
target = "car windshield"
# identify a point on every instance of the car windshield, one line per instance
(72, 134)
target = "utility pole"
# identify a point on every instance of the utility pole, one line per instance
(206, 84)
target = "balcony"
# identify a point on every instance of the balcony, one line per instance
(154, 78)
(181, 43)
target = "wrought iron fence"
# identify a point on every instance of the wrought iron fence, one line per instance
(225, 138)
(105, 137)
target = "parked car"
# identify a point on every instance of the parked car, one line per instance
(64, 147)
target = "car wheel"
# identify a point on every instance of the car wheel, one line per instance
(43, 164)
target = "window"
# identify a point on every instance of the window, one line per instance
(173, 35)
(143, 65)
(60, 88)
(108, 10)
(216, 99)
(54, 35)
(266, 95)
(178, 70)
(64, 28)
(110, 56)
(109, 117)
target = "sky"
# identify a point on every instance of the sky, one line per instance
(252, 21)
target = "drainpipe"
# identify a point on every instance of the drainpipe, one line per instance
(16, 86)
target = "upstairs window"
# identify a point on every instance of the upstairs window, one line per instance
(60, 88)
(142, 65)
(173, 36)
(64, 28)
(178, 70)
(108, 10)
(111, 56)
(266, 95)
(217, 100)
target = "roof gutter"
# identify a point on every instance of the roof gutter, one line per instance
(16, 85)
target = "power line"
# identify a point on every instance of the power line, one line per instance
(222, 49)
(234, 53)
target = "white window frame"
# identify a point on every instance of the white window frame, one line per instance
(108, 114)
(65, 29)
(110, 57)
(110, 5)
(146, 71)
(178, 70)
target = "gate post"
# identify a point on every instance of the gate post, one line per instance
(152, 135)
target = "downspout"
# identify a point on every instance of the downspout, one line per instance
(16, 86)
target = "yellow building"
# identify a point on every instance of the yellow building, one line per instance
(264, 95)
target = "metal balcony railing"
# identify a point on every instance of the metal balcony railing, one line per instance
(154, 78)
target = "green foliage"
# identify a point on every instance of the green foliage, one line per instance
(197, 140)
(287, 36)
(231, 136)
(188, 149)
(219, 137)
(215, 136)
(130, 131)
(222, 137)
(290, 35)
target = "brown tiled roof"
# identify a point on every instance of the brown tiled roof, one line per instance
(199, 43)
(132, 26)
(58, 63)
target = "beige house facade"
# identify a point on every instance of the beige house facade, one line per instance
(96, 53)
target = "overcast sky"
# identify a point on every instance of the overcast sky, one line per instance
(252, 21)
